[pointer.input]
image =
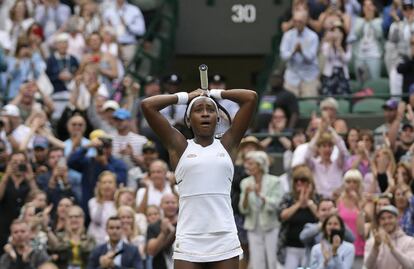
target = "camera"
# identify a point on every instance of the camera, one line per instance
(22, 167)
(106, 143)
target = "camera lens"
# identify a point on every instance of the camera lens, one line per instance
(22, 167)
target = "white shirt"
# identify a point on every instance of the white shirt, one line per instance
(118, 247)
(100, 213)
(154, 195)
(134, 22)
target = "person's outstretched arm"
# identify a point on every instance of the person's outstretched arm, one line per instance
(247, 100)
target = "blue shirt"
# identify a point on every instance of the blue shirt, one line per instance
(407, 220)
(20, 70)
(303, 65)
(91, 169)
(52, 17)
(133, 19)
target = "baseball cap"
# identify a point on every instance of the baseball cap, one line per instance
(10, 110)
(390, 104)
(110, 104)
(329, 102)
(407, 125)
(151, 80)
(388, 208)
(40, 142)
(149, 146)
(407, 3)
(216, 78)
(98, 133)
(122, 114)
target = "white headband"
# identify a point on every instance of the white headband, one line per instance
(199, 98)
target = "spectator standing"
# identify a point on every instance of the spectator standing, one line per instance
(369, 44)
(299, 47)
(351, 208)
(24, 65)
(398, 46)
(52, 15)
(91, 167)
(295, 210)
(260, 195)
(129, 23)
(335, 54)
(126, 144)
(327, 172)
(102, 206)
(15, 185)
(389, 247)
(18, 22)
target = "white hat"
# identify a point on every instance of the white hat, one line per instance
(62, 37)
(110, 104)
(10, 110)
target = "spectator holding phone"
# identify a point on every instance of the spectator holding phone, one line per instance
(333, 252)
(115, 253)
(15, 185)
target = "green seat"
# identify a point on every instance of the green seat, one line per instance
(368, 105)
(380, 86)
(306, 107)
(343, 106)
(354, 85)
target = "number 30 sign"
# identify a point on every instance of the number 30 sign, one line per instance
(243, 13)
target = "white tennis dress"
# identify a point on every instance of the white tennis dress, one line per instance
(206, 230)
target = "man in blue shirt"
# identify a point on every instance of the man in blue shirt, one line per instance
(299, 48)
(91, 167)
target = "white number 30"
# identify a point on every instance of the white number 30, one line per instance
(243, 13)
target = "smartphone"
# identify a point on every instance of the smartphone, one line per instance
(336, 232)
(61, 162)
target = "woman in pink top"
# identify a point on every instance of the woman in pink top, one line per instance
(351, 209)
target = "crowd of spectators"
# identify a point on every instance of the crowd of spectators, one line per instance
(85, 182)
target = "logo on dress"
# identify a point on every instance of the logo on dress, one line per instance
(191, 155)
(221, 154)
